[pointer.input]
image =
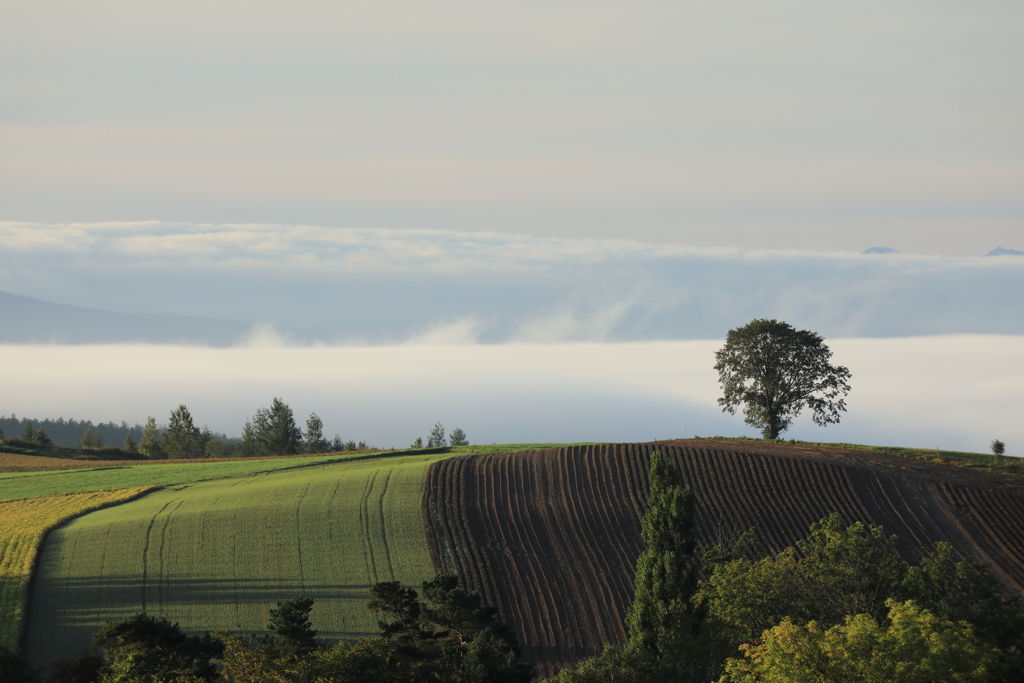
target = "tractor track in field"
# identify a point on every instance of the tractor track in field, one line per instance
(551, 537)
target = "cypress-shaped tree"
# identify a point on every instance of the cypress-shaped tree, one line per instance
(663, 622)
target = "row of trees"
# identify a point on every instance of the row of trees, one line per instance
(437, 438)
(68, 433)
(271, 431)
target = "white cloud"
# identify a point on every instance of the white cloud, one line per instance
(948, 392)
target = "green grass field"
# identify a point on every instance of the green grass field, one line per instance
(217, 554)
(154, 473)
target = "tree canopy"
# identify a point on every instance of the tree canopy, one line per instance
(183, 439)
(272, 431)
(437, 439)
(775, 371)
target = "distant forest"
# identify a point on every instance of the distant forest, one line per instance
(69, 433)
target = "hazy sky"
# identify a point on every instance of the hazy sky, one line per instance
(490, 213)
(751, 125)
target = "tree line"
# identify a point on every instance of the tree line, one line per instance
(67, 433)
(271, 431)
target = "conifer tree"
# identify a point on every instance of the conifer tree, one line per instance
(183, 439)
(150, 445)
(663, 621)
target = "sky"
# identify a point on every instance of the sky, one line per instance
(793, 125)
(518, 181)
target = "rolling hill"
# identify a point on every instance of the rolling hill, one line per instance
(549, 535)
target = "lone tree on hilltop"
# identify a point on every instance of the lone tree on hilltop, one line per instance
(998, 447)
(776, 371)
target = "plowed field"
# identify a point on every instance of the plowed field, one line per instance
(551, 537)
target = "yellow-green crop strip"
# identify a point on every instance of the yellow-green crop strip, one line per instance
(217, 554)
(25, 524)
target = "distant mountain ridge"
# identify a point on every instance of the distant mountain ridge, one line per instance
(26, 320)
(999, 251)
(880, 250)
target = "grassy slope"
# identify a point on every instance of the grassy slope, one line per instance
(217, 554)
(25, 524)
(50, 481)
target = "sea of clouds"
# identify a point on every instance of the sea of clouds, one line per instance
(354, 285)
(511, 337)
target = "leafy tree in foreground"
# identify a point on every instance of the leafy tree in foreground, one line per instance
(664, 620)
(458, 437)
(183, 439)
(272, 431)
(840, 572)
(418, 443)
(914, 647)
(145, 648)
(436, 439)
(774, 371)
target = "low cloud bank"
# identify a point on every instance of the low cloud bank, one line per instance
(377, 286)
(956, 392)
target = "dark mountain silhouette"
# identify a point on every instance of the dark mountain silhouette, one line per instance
(28, 320)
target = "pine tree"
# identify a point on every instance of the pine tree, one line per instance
(272, 431)
(183, 438)
(150, 445)
(663, 621)
(458, 437)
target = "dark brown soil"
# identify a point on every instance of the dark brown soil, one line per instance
(551, 537)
